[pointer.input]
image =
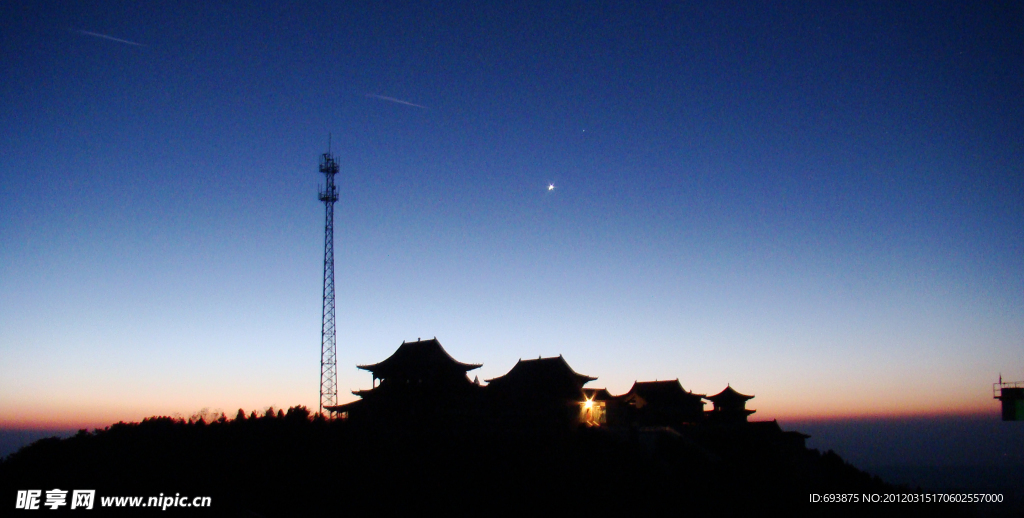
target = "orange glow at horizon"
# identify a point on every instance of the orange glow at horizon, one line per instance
(783, 407)
(101, 416)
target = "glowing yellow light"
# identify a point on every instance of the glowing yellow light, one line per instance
(588, 404)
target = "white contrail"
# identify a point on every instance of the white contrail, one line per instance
(111, 38)
(399, 101)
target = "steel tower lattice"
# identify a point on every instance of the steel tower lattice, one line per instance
(328, 334)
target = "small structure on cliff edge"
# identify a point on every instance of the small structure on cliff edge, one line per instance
(1011, 394)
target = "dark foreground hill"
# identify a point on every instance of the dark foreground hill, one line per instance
(290, 464)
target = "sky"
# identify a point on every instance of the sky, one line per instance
(821, 204)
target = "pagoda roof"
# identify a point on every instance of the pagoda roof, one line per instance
(729, 395)
(660, 391)
(542, 371)
(542, 374)
(422, 355)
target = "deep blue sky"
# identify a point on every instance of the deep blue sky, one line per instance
(821, 204)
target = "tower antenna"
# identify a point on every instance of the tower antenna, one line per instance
(328, 333)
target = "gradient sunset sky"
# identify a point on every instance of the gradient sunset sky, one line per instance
(819, 203)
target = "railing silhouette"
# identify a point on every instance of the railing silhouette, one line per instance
(997, 388)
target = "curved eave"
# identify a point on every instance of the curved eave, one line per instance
(729, 394)
(514, 371)
(342, 408)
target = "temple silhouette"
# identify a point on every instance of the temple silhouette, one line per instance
(421, 385)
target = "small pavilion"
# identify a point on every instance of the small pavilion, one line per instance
(729, 407)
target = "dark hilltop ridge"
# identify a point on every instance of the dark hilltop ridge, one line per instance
(425, 438)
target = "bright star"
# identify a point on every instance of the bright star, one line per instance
(551, 186)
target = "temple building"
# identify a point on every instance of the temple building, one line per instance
(730, 407)
(663, 403)
(538, 392)
(420, 382)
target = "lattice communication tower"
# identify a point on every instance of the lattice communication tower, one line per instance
(328, 338)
